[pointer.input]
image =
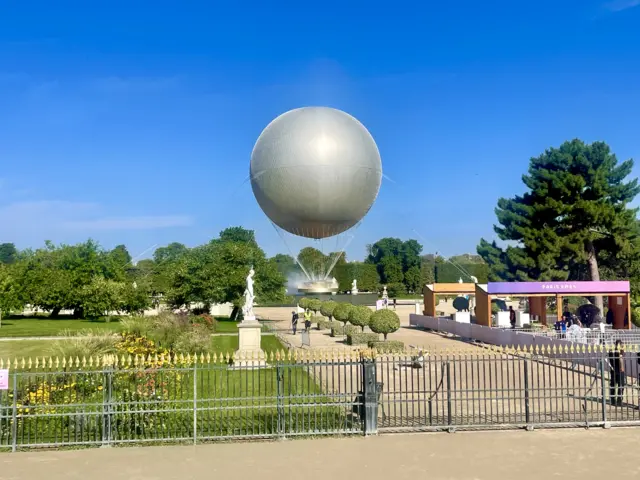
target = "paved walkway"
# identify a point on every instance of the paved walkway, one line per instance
(281, 316)
(568, 454)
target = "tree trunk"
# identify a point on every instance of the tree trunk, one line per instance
(592, 261)
(55, 312)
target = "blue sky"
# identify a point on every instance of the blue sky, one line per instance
(133, 122)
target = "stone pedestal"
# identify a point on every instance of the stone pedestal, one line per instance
(522, 319)
(249, 354)
(462, 317)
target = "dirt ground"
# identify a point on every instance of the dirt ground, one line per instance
(595, 454)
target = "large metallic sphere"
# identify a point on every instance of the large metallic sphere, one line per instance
(315, 171)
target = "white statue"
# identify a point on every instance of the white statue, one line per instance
(249, 297)
(460, 280)
(385, 295)
(354, 287)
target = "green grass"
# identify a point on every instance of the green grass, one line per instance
(38, 348)
(225, 325)
(49, 327)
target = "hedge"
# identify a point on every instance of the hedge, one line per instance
(323, 323)
(362, 338)
(338, 330)
(390, 346)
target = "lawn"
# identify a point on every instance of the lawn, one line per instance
(39, 326)
(38, 348)
(49, 327)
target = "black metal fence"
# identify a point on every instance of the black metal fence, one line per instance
(125, 401)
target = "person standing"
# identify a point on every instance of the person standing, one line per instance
(512, 316)
(294, 321)
(395, 303)
(616, 373)
(307, 320)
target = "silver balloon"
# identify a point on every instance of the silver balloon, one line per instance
(315, 171)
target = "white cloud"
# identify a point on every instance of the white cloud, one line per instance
(619, 5)
(31, 222)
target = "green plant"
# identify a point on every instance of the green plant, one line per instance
(136, 325)
(362, 338)
(342, 330)
(195, 340)
(315, 305)
(304, 302)
(341, 312)
(635, 316)
(494, 308)
(86, 343)
(360, 316)
(206, 321)
(323, 324)
(327, 308)
(389, 346)
(384, 322)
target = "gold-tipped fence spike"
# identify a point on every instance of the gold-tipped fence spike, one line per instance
(208, 357)
(29, 363)
(188, 359)
(215, 357)
(202, 358)
(64, 362)
(1, 364)
(271, 357)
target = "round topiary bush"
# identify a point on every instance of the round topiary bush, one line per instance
(341, 312)
(315, 305)
(304, 302)
(384, 321)
(360, 316)
(326, 309)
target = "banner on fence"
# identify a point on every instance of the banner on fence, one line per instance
(379, 304)
(4, 379)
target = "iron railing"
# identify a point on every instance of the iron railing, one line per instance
(197, 400)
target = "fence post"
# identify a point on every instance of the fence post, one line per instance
(195, 401)
(370, 397)
(280, 399)
(449, 422)
(604, 392)
(527, 414)
(14, 415)
(106, 405)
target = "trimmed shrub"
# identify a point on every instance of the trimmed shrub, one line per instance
(327, 307)
(362, 338)
(323, 324)
(315, 305)
(304, 302)
(494, 308)
(385, 322)
(342, 311)
(360, 316)
(342, 330)
(389, 346)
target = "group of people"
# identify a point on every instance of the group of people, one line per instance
(295, 318)
(567, 320)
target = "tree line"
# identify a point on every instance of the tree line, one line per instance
(575, 220)
(92, 281)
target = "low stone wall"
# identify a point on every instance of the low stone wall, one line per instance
(514, 338)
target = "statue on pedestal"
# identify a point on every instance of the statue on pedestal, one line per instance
(249, 297)
(354, 287)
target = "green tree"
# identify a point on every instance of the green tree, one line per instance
(314, 262)
(393, 258)
(574, 212)
(342, 311)
(216, 273)
(366, 274)
(286, 264)
(9, 294)
(8, 253)
(327, 309)
(385, 322)
(360, 316)
(413, 279)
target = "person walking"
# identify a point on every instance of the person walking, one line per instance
(512, 316)
(294, 321)
(616, 374)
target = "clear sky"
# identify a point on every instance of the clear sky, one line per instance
(133, 122)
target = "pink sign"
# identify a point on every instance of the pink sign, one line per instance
(4, 379)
